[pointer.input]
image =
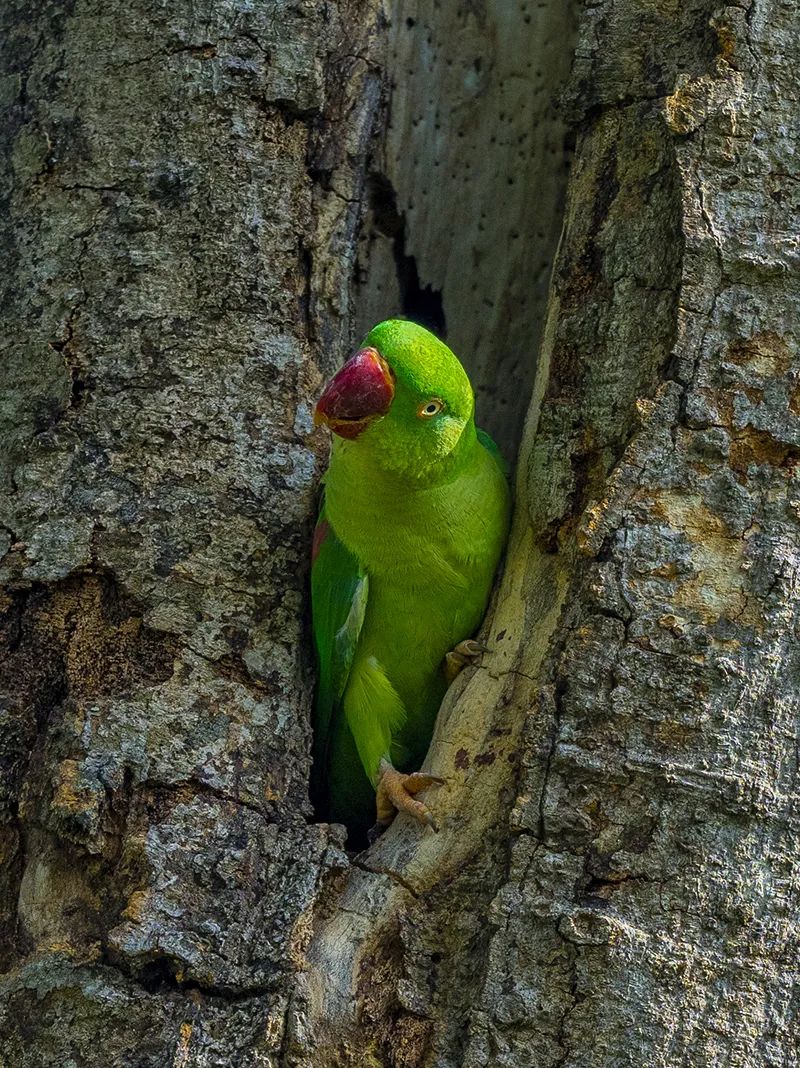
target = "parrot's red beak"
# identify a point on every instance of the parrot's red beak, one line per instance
(357, 395)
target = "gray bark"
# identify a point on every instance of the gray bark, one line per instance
(614, 882)
(180, 197)
(650, 913)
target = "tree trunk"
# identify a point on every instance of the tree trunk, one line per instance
(649, 915)
(614, 879)
(181, 188)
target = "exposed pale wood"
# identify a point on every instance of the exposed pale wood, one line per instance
(468, 187)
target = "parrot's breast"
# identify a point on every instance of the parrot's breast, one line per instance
(430, 552)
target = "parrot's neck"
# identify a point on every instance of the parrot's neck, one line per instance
(353, 462)
(421, 530)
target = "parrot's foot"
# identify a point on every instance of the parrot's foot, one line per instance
(396, 794)
(466, 652)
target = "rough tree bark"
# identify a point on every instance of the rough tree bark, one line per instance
(181, 194)
(615, 879)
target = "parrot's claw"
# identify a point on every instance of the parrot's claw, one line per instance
(396, 794)
(465, 652)
(374, 833)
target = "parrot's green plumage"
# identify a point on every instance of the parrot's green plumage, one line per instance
(411, 529)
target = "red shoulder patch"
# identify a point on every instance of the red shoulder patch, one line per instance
(320, 534)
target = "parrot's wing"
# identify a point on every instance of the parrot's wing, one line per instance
(491, 447)
(339, 588)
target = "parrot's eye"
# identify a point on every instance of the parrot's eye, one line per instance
(429, 408)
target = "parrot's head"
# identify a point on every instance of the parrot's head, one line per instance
(403, 399)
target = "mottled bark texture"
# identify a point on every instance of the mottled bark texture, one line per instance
(616, 878)
(650, 915)
(180, 194)
(615, 881)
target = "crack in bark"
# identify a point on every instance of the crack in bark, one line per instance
(158, 976)
(390, 873)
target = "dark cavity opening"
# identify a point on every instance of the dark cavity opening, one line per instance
(466, 193)
(465, 197)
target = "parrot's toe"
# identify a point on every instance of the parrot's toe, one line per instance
(466, 652)
(374, 833)
(395, 794)
(471, 648)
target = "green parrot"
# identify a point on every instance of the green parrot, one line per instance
(413, 521)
